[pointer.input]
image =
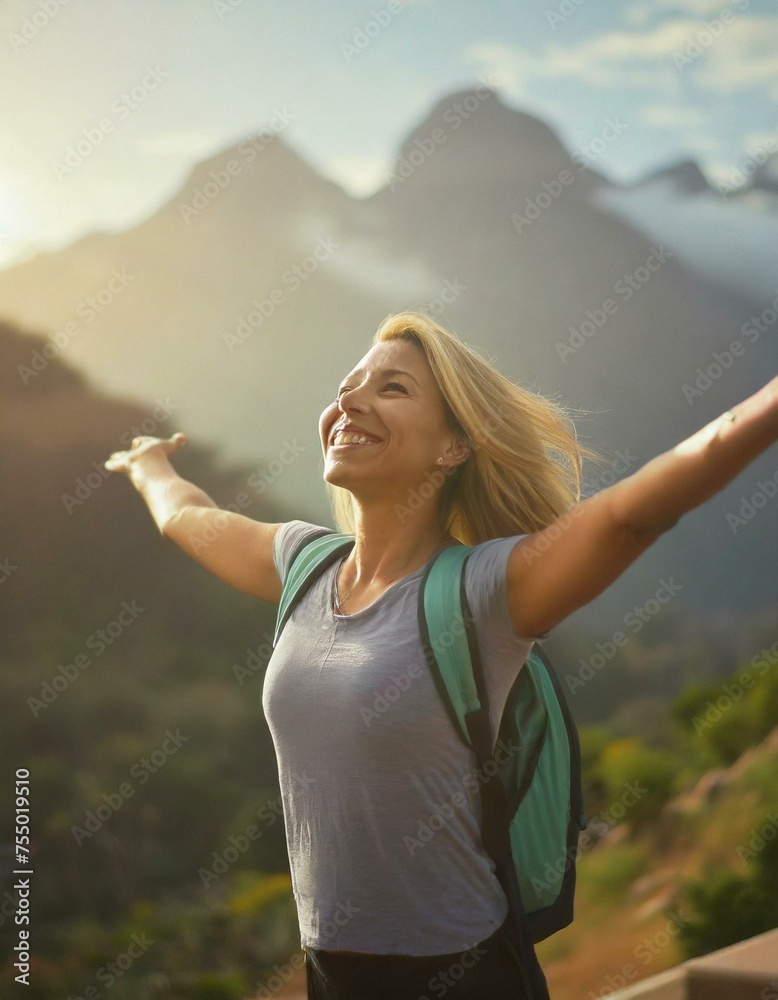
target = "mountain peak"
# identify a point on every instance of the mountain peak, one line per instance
(685, 177)
(264, 154)
(471, 132)
(766, 176)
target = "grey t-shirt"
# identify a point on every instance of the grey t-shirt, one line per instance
(381, 796)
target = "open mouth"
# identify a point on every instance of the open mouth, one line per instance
(352, 439)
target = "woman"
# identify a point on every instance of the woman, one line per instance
(425, 446)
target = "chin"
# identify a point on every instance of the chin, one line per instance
(336, 477)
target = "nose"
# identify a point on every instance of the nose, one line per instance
(341, 407)
(351, 400)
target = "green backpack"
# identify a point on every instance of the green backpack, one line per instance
(533, 813)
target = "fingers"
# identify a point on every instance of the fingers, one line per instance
(119, 461)
(171, 444)
(116, 460)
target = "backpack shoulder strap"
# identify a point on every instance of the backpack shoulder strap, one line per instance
(448, 634)
(309, 560)
(444, 634)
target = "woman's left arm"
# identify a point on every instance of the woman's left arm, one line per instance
(555, 571)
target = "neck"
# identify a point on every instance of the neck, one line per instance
(389, 544)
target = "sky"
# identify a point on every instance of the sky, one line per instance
(107, 104)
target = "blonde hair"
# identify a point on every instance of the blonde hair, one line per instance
(524, 467)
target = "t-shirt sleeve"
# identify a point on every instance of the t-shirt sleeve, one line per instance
(287, 540)
(503, 653)
(486, 583)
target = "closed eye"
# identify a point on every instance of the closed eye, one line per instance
(389, 385)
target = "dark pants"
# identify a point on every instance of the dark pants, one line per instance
(489, 971)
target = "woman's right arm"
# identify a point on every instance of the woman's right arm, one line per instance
(235, 548)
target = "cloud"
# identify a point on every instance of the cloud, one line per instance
(761, 143)
(705, 144)
(513, 66)
(639, 13)
(613, 59)
(738, 53)
(672, 116)
(744, 55)
(359, 175)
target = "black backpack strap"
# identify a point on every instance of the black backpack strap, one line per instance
(576, 777)
(495, 823)
(495, 827)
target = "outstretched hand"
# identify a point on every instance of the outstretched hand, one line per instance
(122, 461)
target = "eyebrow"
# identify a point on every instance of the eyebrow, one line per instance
(386, 372)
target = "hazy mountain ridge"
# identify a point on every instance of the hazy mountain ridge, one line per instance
(246, 296)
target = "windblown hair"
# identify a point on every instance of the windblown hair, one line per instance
(525, 462)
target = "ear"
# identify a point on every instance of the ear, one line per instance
(457, 452)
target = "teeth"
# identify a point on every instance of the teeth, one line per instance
(349, 437)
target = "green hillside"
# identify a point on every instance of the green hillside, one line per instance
(130, 681)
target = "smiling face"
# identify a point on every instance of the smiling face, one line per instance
(391, 396)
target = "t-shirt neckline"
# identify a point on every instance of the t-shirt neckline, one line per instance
(409, 576)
